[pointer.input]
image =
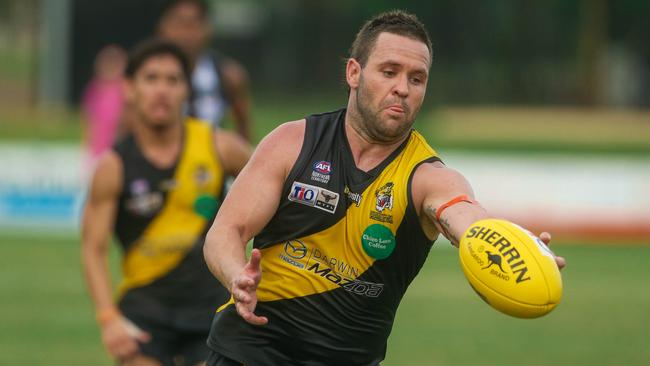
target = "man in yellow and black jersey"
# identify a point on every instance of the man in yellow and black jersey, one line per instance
(158, 191)
(344, 207)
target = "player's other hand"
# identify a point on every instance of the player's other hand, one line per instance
(244, 287)
(546, 239)
(121, 337)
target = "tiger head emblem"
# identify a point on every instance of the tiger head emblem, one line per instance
(384, 196)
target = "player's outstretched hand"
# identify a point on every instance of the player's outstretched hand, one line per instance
(121, 337)
(244, 288)
(546, 238)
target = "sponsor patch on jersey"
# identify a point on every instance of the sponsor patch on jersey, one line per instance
(321, 171)
(143, 202)
(167, 185)
(202, 175)
(378, 241)
(327, 200)
(146, 204)
(294, 252)
(323, 167)
(313, 196)
(139, 186)
(354, 197)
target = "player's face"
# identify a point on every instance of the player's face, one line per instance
(184, 26)
(158, 91)
(390, 89)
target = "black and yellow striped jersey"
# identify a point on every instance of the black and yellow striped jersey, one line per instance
(337, 256)
(162, 218)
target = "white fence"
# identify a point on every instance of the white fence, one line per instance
(42, 186)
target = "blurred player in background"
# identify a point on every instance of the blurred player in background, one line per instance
(344, 207)
(157, 191)
(219, 84)
(103, 102)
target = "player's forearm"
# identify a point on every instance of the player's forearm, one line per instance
(455, 220)
(225, 254)
(95, 263)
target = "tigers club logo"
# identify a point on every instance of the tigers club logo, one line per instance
(383, 204)
(384, 197)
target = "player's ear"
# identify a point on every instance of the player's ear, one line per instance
(352, 73)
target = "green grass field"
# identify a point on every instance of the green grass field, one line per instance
(604, 318)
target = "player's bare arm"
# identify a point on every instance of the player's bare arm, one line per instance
(434, 185)
(236, 83)
(119, 335)
(447, 204)
(235, 150)
(248, 207)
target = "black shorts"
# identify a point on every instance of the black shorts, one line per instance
(217, 359)
(172, 346)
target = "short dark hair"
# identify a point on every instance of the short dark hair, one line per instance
(202, 5)
(145, 50)
(395, 21)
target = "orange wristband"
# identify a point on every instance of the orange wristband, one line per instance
(106, 315)
(453, 201)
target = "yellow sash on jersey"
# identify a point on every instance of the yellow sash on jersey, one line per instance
(178, 225)
(335, 257)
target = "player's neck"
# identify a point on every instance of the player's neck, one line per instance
(367, 153)
(160, 145)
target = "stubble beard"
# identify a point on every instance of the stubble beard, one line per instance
(370, 122)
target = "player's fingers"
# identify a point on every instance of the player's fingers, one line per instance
(143, 337)
(546, 238)
(244, 282)
(136, 333)
(241, 296)
(254, 261)
(242, 310)
(113, 346)
(561, 262)
(247, 314)
(251, 318)
(127, 349)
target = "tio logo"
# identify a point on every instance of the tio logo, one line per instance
(303, 194)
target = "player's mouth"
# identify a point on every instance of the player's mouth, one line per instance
(161, 107)
(396, 108)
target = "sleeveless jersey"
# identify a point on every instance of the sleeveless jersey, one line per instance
(162, 218)
(208, 100)
(337, 256)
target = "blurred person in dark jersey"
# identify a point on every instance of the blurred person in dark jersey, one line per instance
(219, 83)
(157, 191)
(344, 207)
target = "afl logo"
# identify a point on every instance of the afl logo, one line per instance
(323, 167)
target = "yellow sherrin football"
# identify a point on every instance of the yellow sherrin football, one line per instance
(510, 269)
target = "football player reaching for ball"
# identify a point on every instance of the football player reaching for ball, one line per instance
(344, 207)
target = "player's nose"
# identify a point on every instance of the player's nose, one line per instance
(401, 87)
